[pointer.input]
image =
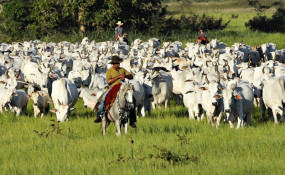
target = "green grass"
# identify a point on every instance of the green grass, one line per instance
(165, 142)
(236, 30)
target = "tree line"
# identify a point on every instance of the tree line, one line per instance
(38, 18)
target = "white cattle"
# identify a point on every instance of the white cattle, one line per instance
(64, 96)
(274, 96)
(139, 96)
(238, 103)
(192, 100)
(98, 81)
(40, 99)
(162, 87)
(15, 100)
(212, 102)
(90, 96)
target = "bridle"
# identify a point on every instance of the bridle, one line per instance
(124, 111)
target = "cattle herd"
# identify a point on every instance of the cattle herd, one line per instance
(214, 80)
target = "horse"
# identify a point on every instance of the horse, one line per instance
(120, 110)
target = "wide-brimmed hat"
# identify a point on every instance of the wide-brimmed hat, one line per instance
(119, 23)
(116, 60)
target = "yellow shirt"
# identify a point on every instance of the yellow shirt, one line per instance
(111, 73)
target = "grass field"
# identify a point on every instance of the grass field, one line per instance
(238, 12)
(165, 142)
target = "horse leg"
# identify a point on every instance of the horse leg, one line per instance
(166, 103)
(139, 110)
(143, 111)
(104, 125)
(118, 128)
(126, 128)
(153, 105)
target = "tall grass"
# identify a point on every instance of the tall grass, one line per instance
(165, 142)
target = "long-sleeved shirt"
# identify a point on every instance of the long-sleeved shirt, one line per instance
(118, 30)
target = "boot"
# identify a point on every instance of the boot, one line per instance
(133, 118)
(133, 125)
(99, 117)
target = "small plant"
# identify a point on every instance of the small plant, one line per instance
(183, 139)
(52, 128)
(234, 16)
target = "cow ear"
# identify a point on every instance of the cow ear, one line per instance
(51, 76)
(53, 110)
(43, 94)
(204, 88)
(238, 97)
(29, 96)
(218, 96)
(2, 82)
(93, 94)
(15, 94)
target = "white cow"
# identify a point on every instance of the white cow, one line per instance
(90, 96)
(192, 100)
(162, 87)
(212, 103)
(274, 96)
(64, 96)
(40, 99)
(238, 103)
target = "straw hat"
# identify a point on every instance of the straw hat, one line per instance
(116, 60)
(119, 23)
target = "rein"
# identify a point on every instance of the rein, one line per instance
(110, 116)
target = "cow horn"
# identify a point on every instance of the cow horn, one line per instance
(158, 61)
(216, 68)
(207, 80)
(141, 65)
(207, 63)
(235, 86)
(51, 68)
(220, 87)
(226, 62)
(8, 72)
(263, 70)
(80, 55)
(219, 77)
(40, 70)
(18, 74)
(44, 66)
(69, 104)
(88, 57)
(131, 63)
(228, 71)
(59, 102)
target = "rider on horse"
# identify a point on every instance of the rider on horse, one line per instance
(119, 32)
(202, 37)
(114, 76)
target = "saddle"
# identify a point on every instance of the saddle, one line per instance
(111, 96)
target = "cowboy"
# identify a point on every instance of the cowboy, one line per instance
(119, 30)
(202, 36)
(115, 75)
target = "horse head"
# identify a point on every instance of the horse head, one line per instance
(126, 99)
